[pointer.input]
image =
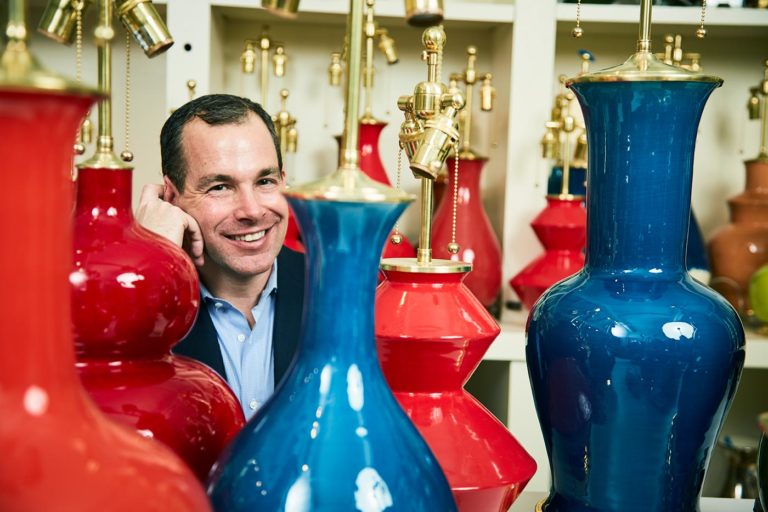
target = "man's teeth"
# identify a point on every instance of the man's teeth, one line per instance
(250, 237)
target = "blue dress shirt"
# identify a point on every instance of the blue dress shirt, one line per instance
(247, 353)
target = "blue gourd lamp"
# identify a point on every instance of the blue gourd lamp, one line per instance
(633, 363)
(333, 437)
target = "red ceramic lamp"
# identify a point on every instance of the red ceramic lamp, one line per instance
(479, 244)
(134, 296)
(562, 225)
(431, 333)
(59, 452)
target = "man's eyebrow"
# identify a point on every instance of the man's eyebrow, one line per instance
(209, 179)
(269, 171)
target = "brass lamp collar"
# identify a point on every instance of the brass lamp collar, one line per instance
(567, 197)
(644, 66)
(349, 184)
(414, 266)
(104, 158)
(20, 71)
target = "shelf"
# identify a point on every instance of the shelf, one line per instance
(510, 345)
(613, 19)
(465, 13)
(665, 15)
(528, 500)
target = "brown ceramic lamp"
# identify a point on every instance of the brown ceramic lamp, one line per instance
(738, 249)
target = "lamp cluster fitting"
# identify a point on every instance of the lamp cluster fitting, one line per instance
(757, 106)
(674, 55)
(141, 19)
(469, 77)
(285, 126)
(256, 53)
(430, 128)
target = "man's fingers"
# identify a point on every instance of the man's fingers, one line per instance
(195, 240)
(151, 192)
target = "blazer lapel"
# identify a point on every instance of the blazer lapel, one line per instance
(202, 342)
(288, 310)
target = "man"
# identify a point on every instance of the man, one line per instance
(222, 201)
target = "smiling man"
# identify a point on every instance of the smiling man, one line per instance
(222, 201)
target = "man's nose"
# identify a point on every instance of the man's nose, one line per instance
(248, 206)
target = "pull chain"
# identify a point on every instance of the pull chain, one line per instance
(577, 31)
(453, 247)
(84, 134)
(701, 32)
(127, 155)
(397, 238)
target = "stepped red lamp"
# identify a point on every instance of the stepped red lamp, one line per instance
(134, 296)
(740, 248)
(397, 245)
(562, 225)
(60, 453)
(432, 332)
(479, 244)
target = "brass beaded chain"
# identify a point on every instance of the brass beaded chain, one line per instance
(701, 32)
(453, 247)
(397, 238)
(127, 155)
(577, 31)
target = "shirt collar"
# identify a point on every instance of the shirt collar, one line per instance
(269, 289)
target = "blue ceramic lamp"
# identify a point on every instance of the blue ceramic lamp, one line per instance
(333, 437)
(633, 363)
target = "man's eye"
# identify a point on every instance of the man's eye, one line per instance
(217, 188)
(267, 181)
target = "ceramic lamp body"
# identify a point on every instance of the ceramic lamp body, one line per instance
(633, 363)
(740, 248)
(134, 296)
(562, 229)
(59, 452)
(333, 437)
(474, 234)
(431, 334)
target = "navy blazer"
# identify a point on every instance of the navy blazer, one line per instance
(202, 342)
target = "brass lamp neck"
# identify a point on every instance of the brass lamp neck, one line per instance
(644, 35)
(16, 29)
(349, 156)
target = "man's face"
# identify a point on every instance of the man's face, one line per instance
(233, 189)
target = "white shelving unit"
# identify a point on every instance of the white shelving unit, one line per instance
(525, 44)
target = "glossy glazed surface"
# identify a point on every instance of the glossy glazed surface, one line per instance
(739, 248)
(431, 334)
(371, 164)
(633, 364)
(134, 296)
(562, 229)
(474, 234)
(333, 437)
(59, 452)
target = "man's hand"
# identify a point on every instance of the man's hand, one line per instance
(170, 221)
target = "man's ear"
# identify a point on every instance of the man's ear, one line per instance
(170, 192)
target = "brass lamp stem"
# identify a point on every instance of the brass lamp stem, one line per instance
(763, 153)
(370, 33)
(105, 143)
(16, 29)
(424, 252)
(264, 44)
(470, 77)
(349, 158)
(565, 188)
(644, 38)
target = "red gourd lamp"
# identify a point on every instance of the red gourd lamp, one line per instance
(134, 296)
(59, 452)
(432, 332)
(479, 244)
(562, 225)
